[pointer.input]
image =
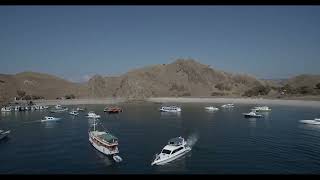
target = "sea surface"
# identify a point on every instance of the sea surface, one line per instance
(223, 142)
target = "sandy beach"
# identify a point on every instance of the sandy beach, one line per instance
(237, 101)
(256, 101)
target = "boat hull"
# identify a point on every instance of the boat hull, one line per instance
(4, 135)
(310, 122)
(252, 116)
(167, 160)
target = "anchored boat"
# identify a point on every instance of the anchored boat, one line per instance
(104, 142)
(170, 109)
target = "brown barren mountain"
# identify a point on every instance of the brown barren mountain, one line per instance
(179, 78)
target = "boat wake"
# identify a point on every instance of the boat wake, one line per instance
(192, 139)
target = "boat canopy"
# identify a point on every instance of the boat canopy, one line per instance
(108, 137)
(176, 141)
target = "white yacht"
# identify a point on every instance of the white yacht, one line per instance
(261, 109)
(6, 109)
(58, 108)
(74, 113)
(252, 114)
(49, 118)
(228, 106)
(211, 108)
(104, 142)
(80, 109)
(4, 134)
(91, 114)
(175, 148)
(170, 109)
(315, 121)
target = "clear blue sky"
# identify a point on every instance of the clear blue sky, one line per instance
(76, 41)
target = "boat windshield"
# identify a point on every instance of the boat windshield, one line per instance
(165, 151)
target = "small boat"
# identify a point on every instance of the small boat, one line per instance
(74, 113)
(4, 134)
(80, 109)
(32, 108)
(49, 118)
(252, 114)
(58, 108)
(105, 143)
(261, 109)
(112, 110)
(211, 108)
(45, 107)
(17, 108)
(228, 106)
(175, 148)
(315, 121)
(6, 109)
(170, 109)
(91, 114)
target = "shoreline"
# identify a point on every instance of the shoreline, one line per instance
(80, 101)
(257, 101)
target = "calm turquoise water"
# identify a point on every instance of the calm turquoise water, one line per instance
(224, 141)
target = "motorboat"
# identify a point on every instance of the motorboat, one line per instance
(6, 109)
(112, 110)
(104, 142)
(211, 108)
(59, 108)
(261, 109)
(74, 113)
(252, 114)
(49, 118)
(315, 121)
(4, 134)
(45, 107)
(91, 114)
(228, 106)
(80, 109)
(175, 148)
(170, 109)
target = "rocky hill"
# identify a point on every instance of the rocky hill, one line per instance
(180, 78)
(38, 84)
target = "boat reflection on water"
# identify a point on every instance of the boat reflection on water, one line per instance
(170, 114)
(311, 127)
(252, 122)
(50, 124)
(107, 160)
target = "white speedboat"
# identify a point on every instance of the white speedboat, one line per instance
(228, 106)
(175, 148)
(4, 134)
(91, 114)
(261, 109)
(252, 114)
(49, 118)
(6, 109)
(104, 142)
(170, 109)
(58, 108)
(45, 107)
(80, 109)
(74, 113)
(211, 108)
(315, 121)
